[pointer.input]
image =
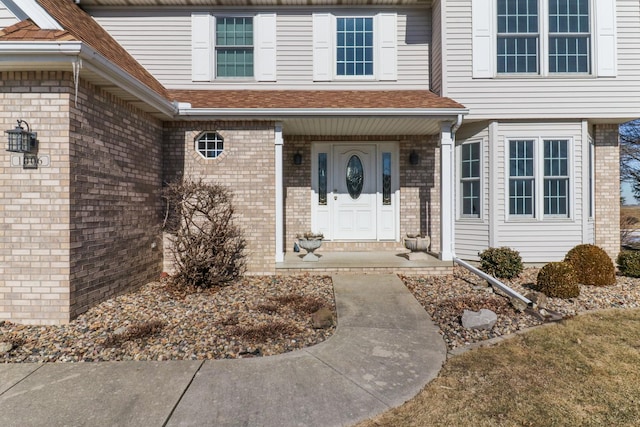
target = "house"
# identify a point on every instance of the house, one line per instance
(481, 123)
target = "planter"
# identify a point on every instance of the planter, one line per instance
(310, 245)
(418, 247)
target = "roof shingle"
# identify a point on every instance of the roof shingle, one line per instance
(292, 99)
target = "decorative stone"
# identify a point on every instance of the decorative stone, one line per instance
(537, 298)
(482, 320)
(322, 319)
(5, 347)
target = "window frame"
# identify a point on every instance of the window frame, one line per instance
(539, 178)
(462, 180)
(219, 152)
(334, 46)
(544, 41)
(216, 46)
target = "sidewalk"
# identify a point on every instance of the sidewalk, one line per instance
(384, 351)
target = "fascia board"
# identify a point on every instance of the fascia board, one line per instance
(443, 113)
(33, 10)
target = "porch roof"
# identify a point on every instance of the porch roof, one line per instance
(326, 112)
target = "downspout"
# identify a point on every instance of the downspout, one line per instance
(492, 280)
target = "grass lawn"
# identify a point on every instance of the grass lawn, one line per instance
(583, 371)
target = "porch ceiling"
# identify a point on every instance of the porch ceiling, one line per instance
(370, 125)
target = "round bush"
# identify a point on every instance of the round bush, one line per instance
(558, 280)
(629, 263)
(592, 265)
(503, 263)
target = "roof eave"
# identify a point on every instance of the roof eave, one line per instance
(71, 51)
(435, 113)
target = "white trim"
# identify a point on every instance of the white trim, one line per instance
(494, 182)
(435, 113)
(265, 47)
(483, 36)
(279, 193)
(33, 10)
(605, 35)
(202, 46)
(447, 192)
(460, 216)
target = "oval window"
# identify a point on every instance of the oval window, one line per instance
(355, 177)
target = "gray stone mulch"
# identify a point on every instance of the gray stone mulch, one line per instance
(253, 317)
(446, 297)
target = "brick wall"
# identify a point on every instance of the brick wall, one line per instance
(607, 189)
(247, 166)
(79, 230)
(116, 208)
(34, 204)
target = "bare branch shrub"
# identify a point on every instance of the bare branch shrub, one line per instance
(207, 247)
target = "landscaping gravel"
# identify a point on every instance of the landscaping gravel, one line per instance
(271, 315)
(446, 297)
(253, 317)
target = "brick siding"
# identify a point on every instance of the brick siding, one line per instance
(607, 189)
(247, 167)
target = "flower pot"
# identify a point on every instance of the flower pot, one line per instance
(310, 245)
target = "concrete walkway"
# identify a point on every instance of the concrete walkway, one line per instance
(384, 351)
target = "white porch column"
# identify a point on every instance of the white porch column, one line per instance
(279, 142)
(447, 199)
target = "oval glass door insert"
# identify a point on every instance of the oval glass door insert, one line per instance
(355, 177)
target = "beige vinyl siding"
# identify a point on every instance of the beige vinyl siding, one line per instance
(161, 41)
(472, 234)
(436, 49)
(7, 18)
(548, 239)
(510, 97)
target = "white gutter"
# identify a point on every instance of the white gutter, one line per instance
(320, 112)
(70, 52)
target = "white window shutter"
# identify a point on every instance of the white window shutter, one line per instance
(387, 32)
(265, 47)
(606, 44)
(322, 45)
(202, 46)
(482, 35)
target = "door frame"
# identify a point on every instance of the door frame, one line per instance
(322, 215)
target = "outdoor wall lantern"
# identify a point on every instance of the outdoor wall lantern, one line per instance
(24, 142)
(297, 159)
(20, 140)
(414, 158)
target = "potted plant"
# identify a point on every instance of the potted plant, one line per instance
(418, 244)
(310, 241)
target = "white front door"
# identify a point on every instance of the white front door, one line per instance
(354, 192)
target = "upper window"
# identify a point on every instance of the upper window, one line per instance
(528, 177)
(519, 38)
(209, 144)
(569, 36)
(354, 47)
(225, 47)
(234, 47)
(470, 179)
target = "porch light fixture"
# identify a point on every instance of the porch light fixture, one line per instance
(20, 140)
(414, 158)
(297, 159)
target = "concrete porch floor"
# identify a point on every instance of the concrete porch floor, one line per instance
(365, 262)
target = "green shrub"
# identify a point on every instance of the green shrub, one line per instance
(629, 263)
(503, 263)
(592, 265)
(558, 280)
